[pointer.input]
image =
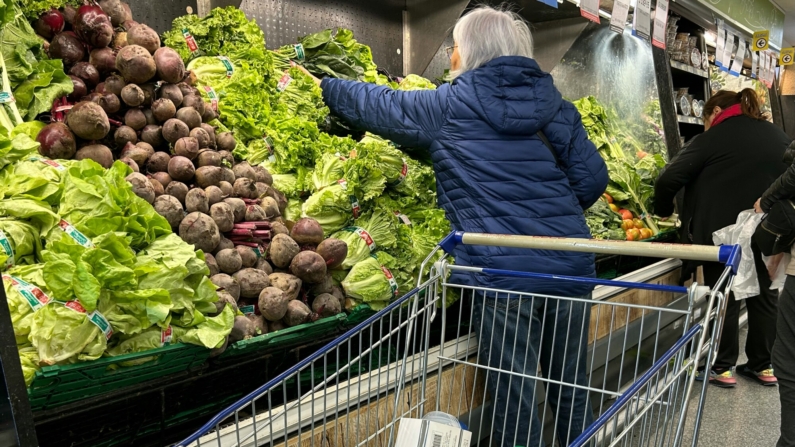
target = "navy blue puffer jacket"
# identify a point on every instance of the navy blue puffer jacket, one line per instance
(493, 173)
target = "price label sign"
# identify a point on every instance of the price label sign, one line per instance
(618, 18)
(660, 23)
(720, 43)
(590, 10)
(761, 40)
(726, 57)
(641, 22)
(737, 63)
(754, 63)
(787, 56)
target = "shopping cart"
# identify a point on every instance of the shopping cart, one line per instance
(417, 355)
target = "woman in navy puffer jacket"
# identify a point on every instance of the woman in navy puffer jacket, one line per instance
(495, 174)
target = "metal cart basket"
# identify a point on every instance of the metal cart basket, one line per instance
(633, 364)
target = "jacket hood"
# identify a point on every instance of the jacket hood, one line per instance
(512, 94)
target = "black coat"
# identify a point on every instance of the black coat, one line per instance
(724, 171)
(784, 186)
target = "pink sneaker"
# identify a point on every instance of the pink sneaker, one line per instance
(764, 377)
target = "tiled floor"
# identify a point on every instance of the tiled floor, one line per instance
(746, 416)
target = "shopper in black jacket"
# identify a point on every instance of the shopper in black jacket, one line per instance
(783, 355)
(723, 172)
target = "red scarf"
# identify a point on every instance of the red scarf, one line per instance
(727, 113)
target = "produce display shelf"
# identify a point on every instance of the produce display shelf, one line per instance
(286, 337)
(689, 69)
(61, 384)
(689, 120)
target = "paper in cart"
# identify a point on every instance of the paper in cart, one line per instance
(422, 433)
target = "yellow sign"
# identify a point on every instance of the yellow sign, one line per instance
(787, 56)
(761, 40)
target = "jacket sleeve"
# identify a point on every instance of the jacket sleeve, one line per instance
(585, 168)
(783, 187)
(680, 171)
(409, 118)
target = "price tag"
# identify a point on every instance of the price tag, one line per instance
(213, 97)
(33, 295)
(269, 145)
(166, 336)
(299, 52)
(786, 57)
(737, 63)
(284, 81)
(95, 317)
(393, 285)
(248, 310)
(618, 18)
(5, 245)
(6, 97)
(720, 43)
(641, 21)
(73, 232)
(761, 40)
(403, 218)
(364, 235)
(754, 63)
(355, 208)
(404, 171)
(230, 69)
(190, 41)
(727, 51)
(660, 24)
(49, 162)
(590, 10)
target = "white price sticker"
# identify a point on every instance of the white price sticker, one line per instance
(754, 63)
(726, 57)
(660, 23)
(590, 10)
(641, 22)
(720, 44)
(618, 18)
(737, 63)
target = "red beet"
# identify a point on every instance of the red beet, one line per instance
(93, 26)
(49, 24)
(67, 47)
(79, 89)
(87, 72)
(56, 141)
(104, 59)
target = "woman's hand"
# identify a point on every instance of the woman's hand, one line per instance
(758, 206)
(306, 72)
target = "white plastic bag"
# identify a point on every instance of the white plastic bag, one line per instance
(745, 282)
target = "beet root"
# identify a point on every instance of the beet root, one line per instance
(143, 36)
(333, 251)
(135, 64)
(309, 266)
(170, 67)
(201, 231)
(97, 152)
(56, 141)
(88, 121)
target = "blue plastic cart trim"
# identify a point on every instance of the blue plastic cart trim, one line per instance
(605, 417)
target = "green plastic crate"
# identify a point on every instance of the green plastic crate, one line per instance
(286, 337)
(62, 384)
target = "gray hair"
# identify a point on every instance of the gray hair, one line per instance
(486, 33)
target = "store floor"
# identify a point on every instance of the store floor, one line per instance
(747, 415)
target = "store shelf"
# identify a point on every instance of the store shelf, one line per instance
(689, 69)
(689, 120)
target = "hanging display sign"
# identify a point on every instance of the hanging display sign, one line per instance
(761, 40)
(590, 10)
(641, 19)
(737, 63)
(660, 24)
(787, 55)
(552, 3)
(728, 46)
(754, 63)
(618, 18)
(720, 42)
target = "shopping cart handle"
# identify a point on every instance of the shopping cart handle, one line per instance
(725, 254)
